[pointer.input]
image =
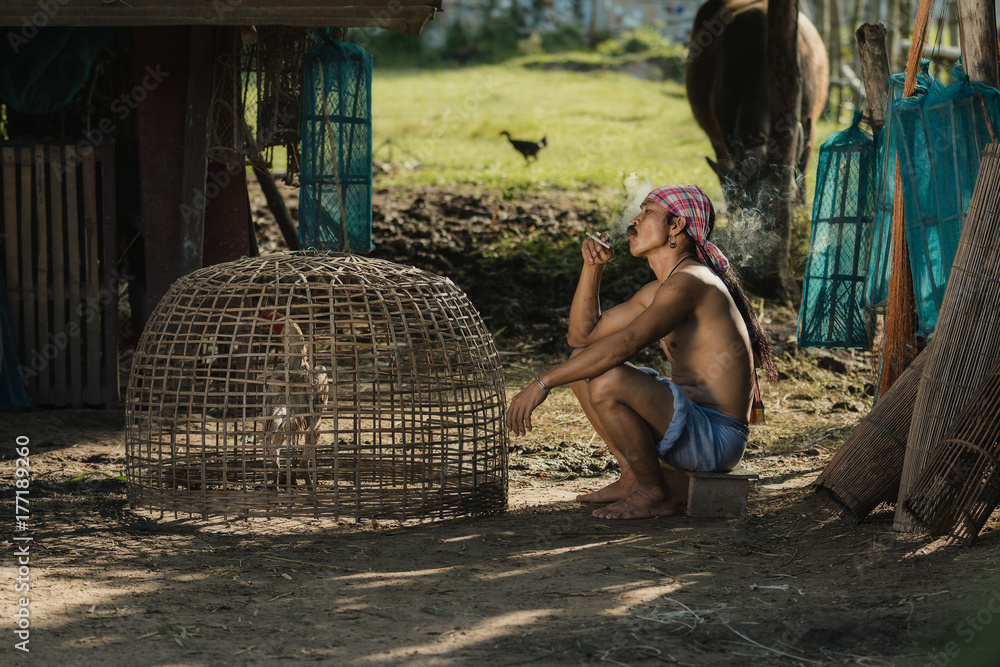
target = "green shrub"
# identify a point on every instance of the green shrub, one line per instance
(564, 38)
(640, 40)
(393, 49)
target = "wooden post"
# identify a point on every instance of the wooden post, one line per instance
(836, 51)
(199, 92)
(875, 72)
(856, 20)
(778, 191)
(892, 38)
(977, 26)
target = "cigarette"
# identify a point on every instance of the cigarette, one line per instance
(603, 243)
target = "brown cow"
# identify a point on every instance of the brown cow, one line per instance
(728, 88)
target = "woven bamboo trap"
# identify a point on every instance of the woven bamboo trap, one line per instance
(316, 384)
(866, 470)
(967, 336)
(959, 487)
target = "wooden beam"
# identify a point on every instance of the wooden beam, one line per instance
(408, 16)
(193, 201)
(874, 71)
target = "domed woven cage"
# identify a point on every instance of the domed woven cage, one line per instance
(316, 384)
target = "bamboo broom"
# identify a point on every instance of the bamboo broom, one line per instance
(901, 311)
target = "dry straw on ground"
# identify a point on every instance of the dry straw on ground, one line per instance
(866, 470)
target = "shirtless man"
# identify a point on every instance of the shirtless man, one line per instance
(708, 329)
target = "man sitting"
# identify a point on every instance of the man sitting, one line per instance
(706, 325)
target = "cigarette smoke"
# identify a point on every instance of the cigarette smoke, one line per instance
(744, 240)
(636, 190)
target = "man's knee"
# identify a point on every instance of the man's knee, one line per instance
(606, 386)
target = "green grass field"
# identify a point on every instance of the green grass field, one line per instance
(443, 126)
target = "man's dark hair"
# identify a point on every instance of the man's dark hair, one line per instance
(759, 340)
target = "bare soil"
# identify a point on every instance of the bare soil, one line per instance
(544, 583)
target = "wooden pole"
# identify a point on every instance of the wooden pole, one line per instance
(199, 93)
(977, 26)
(875, 72)
(778, 194)
(836, 51)
(901, 316)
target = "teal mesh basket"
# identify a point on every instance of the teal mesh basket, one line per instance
(939, 139)
(335, 200)
(880, 257)
(833, 310)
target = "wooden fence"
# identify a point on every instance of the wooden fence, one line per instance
(59, 238)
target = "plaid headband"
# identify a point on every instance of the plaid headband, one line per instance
(691, 203)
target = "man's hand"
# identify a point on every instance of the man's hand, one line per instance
(595, 253)
(521, 407)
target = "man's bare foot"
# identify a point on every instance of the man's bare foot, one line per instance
(639, 505)
(612, 492)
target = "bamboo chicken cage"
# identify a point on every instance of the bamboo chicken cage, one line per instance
(866, 470)
(967, 336)
(959, 487)
(316, 384)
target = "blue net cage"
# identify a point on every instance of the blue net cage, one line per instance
(880, 256)
(335, 201)
(833, 310)
(939, 139)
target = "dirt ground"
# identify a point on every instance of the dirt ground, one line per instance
(544, 583)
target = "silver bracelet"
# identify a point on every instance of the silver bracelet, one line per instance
(542, 385)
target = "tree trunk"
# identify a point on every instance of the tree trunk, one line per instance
(778, 191)
(836, 53)
(978, 33)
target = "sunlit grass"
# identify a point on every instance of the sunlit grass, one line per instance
(442, 127)
(600, 127)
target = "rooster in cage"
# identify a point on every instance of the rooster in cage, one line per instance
(295, 394)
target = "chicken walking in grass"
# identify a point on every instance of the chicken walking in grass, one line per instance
(526, 148)
(294, 399)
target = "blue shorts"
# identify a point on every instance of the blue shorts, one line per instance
(700, 438)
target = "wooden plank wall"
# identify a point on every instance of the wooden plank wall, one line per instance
(59, 268)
